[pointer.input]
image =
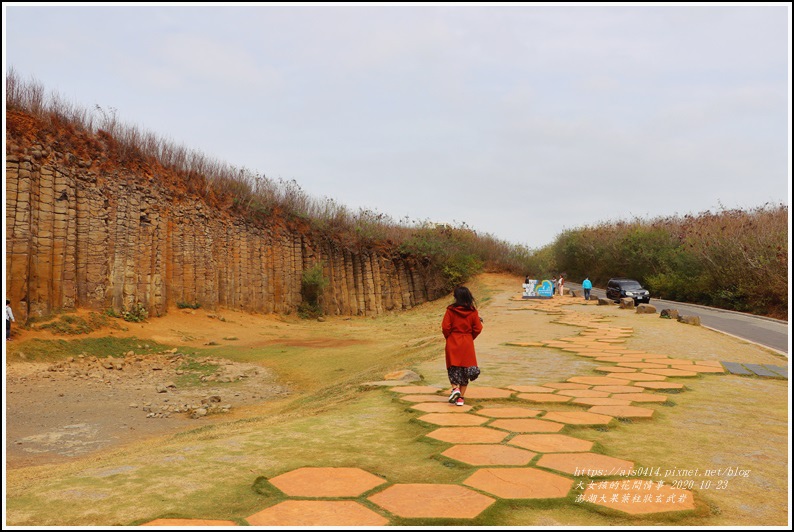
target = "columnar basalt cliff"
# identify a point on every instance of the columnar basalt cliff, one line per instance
(84, 230)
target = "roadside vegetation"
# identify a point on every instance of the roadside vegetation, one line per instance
(731, 259)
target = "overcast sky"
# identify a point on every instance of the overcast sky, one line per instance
(520, 120)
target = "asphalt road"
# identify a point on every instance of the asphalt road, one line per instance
(768, 332)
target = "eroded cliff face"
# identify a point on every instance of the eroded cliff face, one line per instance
(84, 231)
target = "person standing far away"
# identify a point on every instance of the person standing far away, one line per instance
(560, 282)
(553, 286)
(587, 286)
(9, 319)
(461, 325)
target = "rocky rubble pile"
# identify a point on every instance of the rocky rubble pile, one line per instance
(160, 384)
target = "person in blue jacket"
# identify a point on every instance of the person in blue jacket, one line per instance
(587, 286)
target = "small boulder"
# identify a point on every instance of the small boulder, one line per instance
(605, 301)
(689, 320)
(626, 302)
(645, 308)
(669, 313)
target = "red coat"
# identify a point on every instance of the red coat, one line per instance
(460, 327)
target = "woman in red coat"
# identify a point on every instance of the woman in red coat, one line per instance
(461, 325)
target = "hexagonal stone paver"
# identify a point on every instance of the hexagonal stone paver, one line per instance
(485, 455)
(189, 522)
(484, 392)
(415, 389)
(595, 401)
(712, 363)
(639, 496)
(642, 365)
(583, 393)
(698, 368)
(543, 397)
(614, 358)
(679, 361)
(660, 385)
(641, 397)
(586, 464)
(598, 380)
(566, 386)
(520, 483)
(639, 377)
(468, 435)
(670, 372)
(590, 353)
(441, 407)
(527, 425)
(326, 482)
(629, 412)
(531, 388)
(578, 418)
(615, 369)
(551, 443)
(513, 411)
(432, 501)
(628, 376)
(618, 389)
(454, 420)
(317, 513)
(425, 398)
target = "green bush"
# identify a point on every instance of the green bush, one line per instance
(136, 314)
(313, 284)
(731, 259)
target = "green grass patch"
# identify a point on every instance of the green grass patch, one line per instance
(50, 350)
(71, 324)
(193, 372)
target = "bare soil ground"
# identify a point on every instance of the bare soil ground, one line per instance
(60, 411)
(56, 411)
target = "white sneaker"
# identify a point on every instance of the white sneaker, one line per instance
(454, 395)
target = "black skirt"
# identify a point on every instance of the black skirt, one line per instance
(461, 376)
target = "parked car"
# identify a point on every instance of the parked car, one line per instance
(618, 288)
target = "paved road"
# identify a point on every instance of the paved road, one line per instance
(768, 332)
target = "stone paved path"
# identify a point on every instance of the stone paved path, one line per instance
(502, 442)
(761, 370)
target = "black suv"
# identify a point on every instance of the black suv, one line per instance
(618, 288)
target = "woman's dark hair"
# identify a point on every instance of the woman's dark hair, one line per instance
(463, 297)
